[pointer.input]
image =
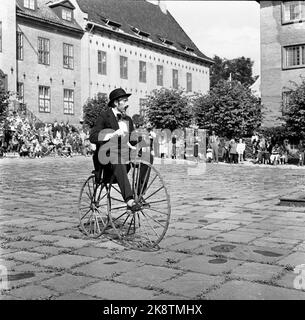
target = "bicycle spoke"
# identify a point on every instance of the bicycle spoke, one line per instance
(155, 210)
(151, 226)
(119, 200)
(144, 182)
(154, 220)
(116, 189)
(85, 214)
(162, 187)
(116, 208)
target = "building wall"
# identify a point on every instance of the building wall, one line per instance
(115, 48)
(274, 36)
(8, 54)
(32, 74)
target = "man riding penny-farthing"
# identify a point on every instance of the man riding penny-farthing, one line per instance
(125, 196)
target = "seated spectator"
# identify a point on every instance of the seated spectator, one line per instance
(23, 152)
(283, 155)
(209, 154)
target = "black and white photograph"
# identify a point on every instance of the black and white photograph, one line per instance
(152, 150)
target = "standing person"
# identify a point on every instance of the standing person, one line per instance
(233, 151)
(225, 151)
(240, 148)
(214, 143)
(117, 139)
(174, 147)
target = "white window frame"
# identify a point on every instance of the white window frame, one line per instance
(43, 51)
(102, 62)
(175, 79)
(160, 74)
(123, 67)
(67, 14)
(0, 36)
(68, 56)
(19, 45)
(189, 82)
(29, 4)
(292, 60)
(142, 71)
(69, 101)
(44, 99)
(287, 13)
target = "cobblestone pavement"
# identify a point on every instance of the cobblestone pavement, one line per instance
(228, 237)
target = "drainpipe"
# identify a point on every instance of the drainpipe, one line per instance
(89, 61)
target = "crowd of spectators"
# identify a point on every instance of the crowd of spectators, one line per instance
(21, 137)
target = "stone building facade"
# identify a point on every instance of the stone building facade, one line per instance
(65, 52)
(282, 54)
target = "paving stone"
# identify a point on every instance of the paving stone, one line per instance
(75, 296)
(147, 276)
(24, 256)
(48, 238)
(110, 245)
(292, 280)
(208, 265)
(276, 243)
(48, 250)
(236, 236)
(105, 267)
(221, 215)
(184, 225)
(300, 247)
(201, 234)
(187, 246)
(167, 296)
(93, 252)
(256, 271)
(72, 243)
(245, 290)
(222, 226)
(24, 244)
(191, 284)
(117, 291)
(293, 259)
(50, 227)
(66, 261)
(33, 292)
(67, 282)
(170, 240)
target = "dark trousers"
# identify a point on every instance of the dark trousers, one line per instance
(215, 152)
(233, 158)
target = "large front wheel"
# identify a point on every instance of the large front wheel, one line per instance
(145, 226)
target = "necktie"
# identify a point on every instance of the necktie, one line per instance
(119, 116)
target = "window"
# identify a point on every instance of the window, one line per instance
(175, 79)
(285, 101)
(101, 62)
(293, 11)
(188, 82)
(20, 91)
(44, 99)
(0, 36)
(294, 56)
(44, 51)
(142, 71)
(123, 67)
(68, 101)
(66, 14)
(30, 4)
(68, 56)
(159, 75)
(142, 107)
(19, 46)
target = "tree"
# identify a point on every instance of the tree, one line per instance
(230, 109)
(4, 103)
(294, 115)
(137, 120)
(93, 109)
(239, 68)
(168, 109)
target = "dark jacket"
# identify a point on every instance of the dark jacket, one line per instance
(107, 120)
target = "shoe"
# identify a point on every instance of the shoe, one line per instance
(134, 207)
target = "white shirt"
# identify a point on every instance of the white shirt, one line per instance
(123, 125)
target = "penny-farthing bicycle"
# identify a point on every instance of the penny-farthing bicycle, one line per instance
(102, 210)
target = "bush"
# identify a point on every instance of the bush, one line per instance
(93, 109)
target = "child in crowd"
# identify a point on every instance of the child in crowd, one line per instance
(209, 154)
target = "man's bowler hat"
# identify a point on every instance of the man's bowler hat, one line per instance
(117, 94)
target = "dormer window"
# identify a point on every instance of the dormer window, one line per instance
(66, 14)
(187, 49)
(165, 41)
(140, 33)
(29, 4)
(112, 24)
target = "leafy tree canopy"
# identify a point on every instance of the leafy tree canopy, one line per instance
(230, 109)
(239, 68)
(294, 115)
(4, 103)
(168, 109)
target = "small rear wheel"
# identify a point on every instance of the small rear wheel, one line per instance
(93, 208)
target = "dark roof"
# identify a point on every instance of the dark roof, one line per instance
(45, 13)
(144, 16)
